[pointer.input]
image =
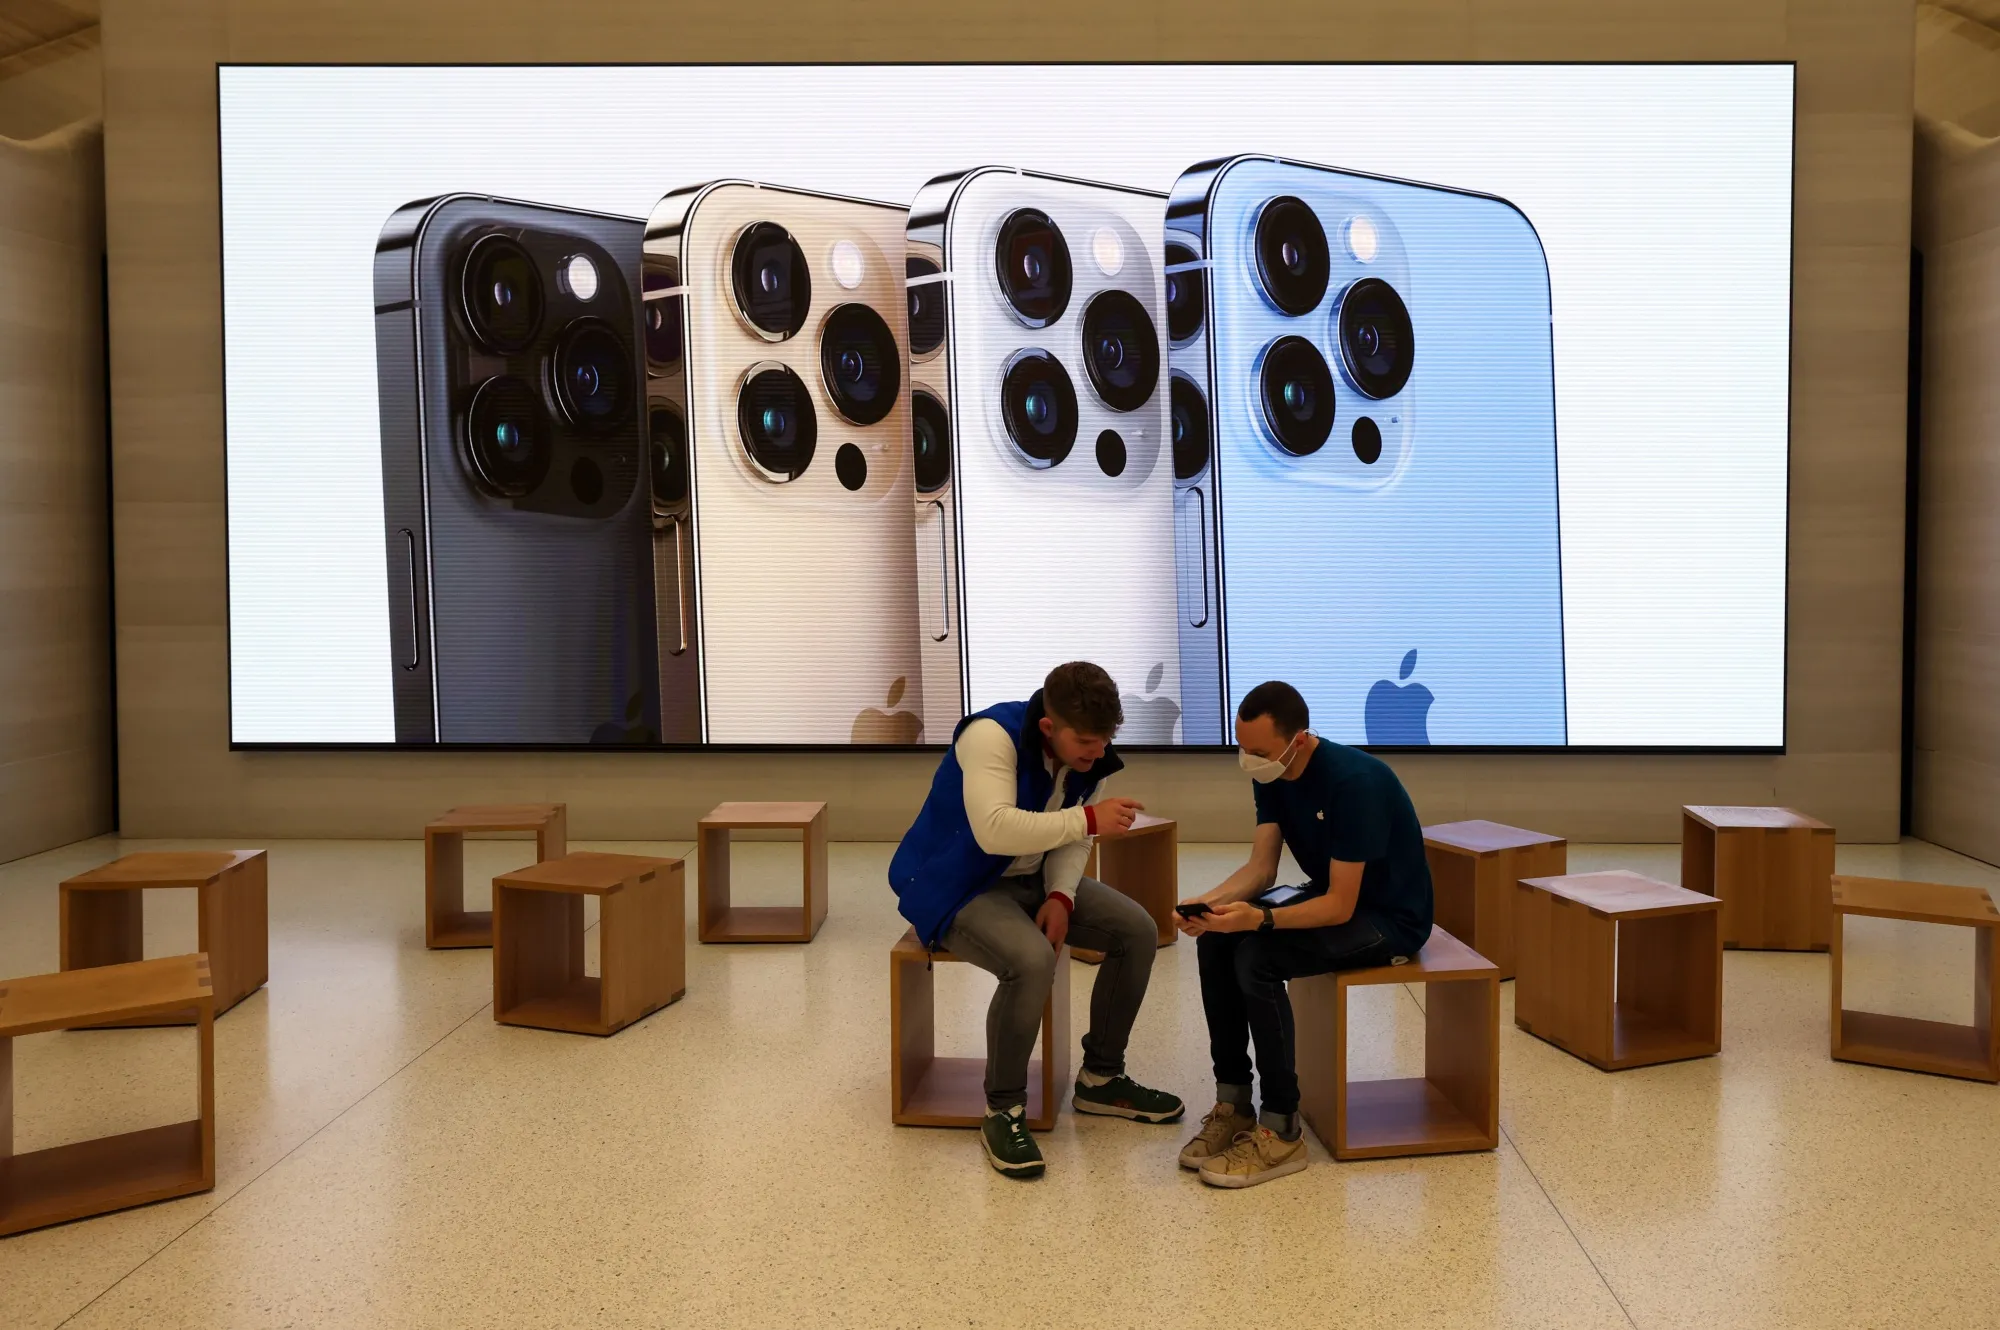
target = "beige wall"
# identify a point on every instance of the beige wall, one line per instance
(53, 86)
(1958, 563)
(55, 668)
(1847, 397)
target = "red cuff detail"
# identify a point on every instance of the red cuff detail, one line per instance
(1089, 820)
(1069, 906)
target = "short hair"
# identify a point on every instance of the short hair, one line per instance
(1083, 697)
(1281, 702)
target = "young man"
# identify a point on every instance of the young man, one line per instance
(1350, 824)
(992, 871)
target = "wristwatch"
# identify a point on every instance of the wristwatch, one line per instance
(1269, 923)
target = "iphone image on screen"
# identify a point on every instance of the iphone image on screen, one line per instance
(1050, 530)
(1372, 361)
(779, 402)
(520, 580)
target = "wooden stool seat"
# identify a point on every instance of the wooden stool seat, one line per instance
(1902, 1042)
(926, 1090)
(1453, 1106)
(1772, 869)
(103, 919)
(1474, 866)
(1142, 862)
(722, 922)
(1664, 945)
(447, 923)
(66, 1182)
(538, 971)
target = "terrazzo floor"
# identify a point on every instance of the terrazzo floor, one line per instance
(391, 1157)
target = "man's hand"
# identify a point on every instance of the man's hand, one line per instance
(1235, 917)
(1196, 925)
(1053, 920)
(1115, 814)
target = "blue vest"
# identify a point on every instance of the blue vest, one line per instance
(939, 865)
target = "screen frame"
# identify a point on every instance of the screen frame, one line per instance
(1779, 749)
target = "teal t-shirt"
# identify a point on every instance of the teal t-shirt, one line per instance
(1349, 806)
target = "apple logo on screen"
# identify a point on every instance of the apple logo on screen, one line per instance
(1150, 719)
(1400, 715)
(635, 730)
(874, 726)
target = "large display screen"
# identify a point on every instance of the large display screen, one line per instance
(826, 404)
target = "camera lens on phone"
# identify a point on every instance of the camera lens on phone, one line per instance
(505, 439)
(860, 363)
(1188, 421)
(593, 376)
(1032, 259)
(1367, 439)
(780, 429)
(669, 456)
(930, 428)
(1297, 391)
(926, 308)
(1184, 295)
(1038, 403)
(662, 319)
(773, 286)
(1111, 453)
(1121, 350)
(501, 294)
(1377, 345)
(1292, 262)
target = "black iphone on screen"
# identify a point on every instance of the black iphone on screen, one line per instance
(514, 485)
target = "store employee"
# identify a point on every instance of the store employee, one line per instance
(1349, 823)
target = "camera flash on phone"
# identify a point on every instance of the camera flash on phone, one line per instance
(579, 276)
(1362, 241)
(847, 263)
(1108, 250)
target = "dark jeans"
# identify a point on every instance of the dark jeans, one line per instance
(1243, 992)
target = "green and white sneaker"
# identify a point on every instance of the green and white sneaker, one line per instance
(1010, 1147)
(1123, 1097)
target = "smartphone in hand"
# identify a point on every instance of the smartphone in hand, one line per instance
(1192, 909)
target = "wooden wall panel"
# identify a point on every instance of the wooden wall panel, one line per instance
(1957, 207)
(55, 666)
(1848, 396)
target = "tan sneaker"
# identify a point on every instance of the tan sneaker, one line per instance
(1218, 1128)
(1255, 1156)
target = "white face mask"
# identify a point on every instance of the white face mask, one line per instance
(1264, 770)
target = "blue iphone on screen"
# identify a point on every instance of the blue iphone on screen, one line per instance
(1365, 456)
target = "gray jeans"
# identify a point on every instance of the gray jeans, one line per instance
(996, 931)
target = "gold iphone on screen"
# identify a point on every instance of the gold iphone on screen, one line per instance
(788, 582)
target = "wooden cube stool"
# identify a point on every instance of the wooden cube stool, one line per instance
(104, 919)
(66, 1182)
(1453, 1106)
(447, 923)
(1474, 866)
(1772, 868)
(538, 977)
(1664, 944)
(926, 1090)
(722, 922)
(1142, 862)
(1940, 1047)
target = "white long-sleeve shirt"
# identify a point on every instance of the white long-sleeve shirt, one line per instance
(1057, 840)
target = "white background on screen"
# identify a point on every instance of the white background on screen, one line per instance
(1662, 195)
